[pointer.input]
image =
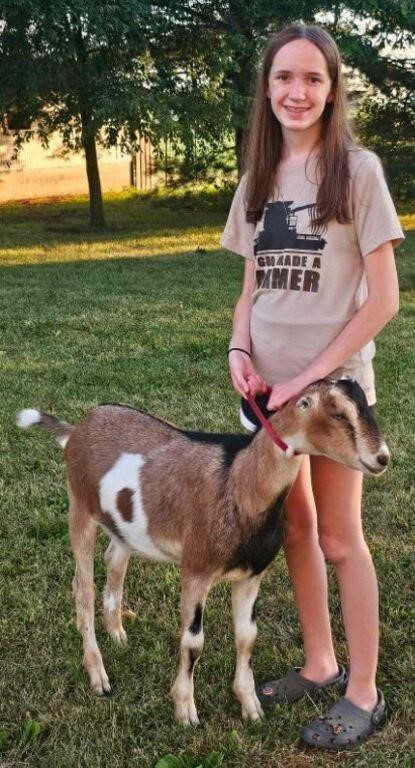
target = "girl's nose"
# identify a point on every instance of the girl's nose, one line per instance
(297, 90)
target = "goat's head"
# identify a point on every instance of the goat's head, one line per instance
(332, 418)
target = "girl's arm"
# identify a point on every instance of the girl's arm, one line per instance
(380, 306)
(244, 378)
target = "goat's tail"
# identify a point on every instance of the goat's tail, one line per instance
(30, 417)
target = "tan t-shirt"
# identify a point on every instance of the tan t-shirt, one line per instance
(309, 285)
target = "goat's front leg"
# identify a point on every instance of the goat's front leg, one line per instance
(82, 529)
(193, 598)
(116, 558)
(244, 594)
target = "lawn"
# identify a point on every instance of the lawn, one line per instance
(141, 314)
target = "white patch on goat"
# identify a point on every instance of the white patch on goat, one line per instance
(126, 474)
(297, 443)
(28, 417)
(195, 642)
(110, 603)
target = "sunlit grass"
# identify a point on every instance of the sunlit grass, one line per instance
(138, 225)
(408, 220)
(138, 246)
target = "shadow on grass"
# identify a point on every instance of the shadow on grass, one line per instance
(66, 220)
(163, 274)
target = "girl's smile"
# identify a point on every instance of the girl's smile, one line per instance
(296, 110)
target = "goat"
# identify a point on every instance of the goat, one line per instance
(212, 503)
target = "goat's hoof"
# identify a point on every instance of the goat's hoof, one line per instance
(100, 684)
(186, 715)
(252, 717)
(252, 710)
(102, 690)
(189, 723)
(119, 635)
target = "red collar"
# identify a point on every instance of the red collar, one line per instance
(267, 426)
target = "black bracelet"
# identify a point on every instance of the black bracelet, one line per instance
(239, 349)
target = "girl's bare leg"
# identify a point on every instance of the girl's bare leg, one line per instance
(308, 574)
(337, 492)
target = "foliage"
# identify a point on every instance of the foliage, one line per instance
(31, 732)
(387, 125)
(230, 36)
(4, 741)
(180, 72)
(195, 158)
(187, 760)
(76, 57)
(78, 67)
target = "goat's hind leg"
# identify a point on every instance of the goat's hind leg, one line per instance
(116, 558)
(82, 528)
(244, 595)
(193, 599)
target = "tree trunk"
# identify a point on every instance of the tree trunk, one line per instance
(96, 209)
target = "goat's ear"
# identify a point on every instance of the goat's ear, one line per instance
(304, 403)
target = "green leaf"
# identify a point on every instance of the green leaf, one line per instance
(214, 760)
(4, 742)
(30, 732)
(187, 760)
(234, 738)
(169, 761)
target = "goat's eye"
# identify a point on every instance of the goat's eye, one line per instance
(340, 417)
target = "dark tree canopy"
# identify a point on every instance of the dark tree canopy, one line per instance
(179, 69)
(229, 37)
(78, 67)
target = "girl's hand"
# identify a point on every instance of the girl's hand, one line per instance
(244, 378)
(287, 390)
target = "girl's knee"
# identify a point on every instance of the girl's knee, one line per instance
(340, 550)
(301, 527)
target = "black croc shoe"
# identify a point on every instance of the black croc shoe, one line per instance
(293, 686)
(345, 726)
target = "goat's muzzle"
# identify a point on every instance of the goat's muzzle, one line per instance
(381, 461)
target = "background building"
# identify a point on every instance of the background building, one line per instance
(37, 171)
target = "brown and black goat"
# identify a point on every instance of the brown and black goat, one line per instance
(212, 503)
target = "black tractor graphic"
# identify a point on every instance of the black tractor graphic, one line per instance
(280, 230)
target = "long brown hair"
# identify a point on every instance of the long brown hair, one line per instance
(265, 140)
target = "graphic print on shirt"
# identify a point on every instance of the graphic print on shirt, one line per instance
(285, 258)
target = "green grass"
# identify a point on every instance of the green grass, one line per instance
(142, 314)
(138, 224)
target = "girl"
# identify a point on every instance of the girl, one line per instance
(315, 222)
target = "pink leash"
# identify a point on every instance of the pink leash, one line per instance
(267, 426)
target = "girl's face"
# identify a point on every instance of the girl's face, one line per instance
(299, 86)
